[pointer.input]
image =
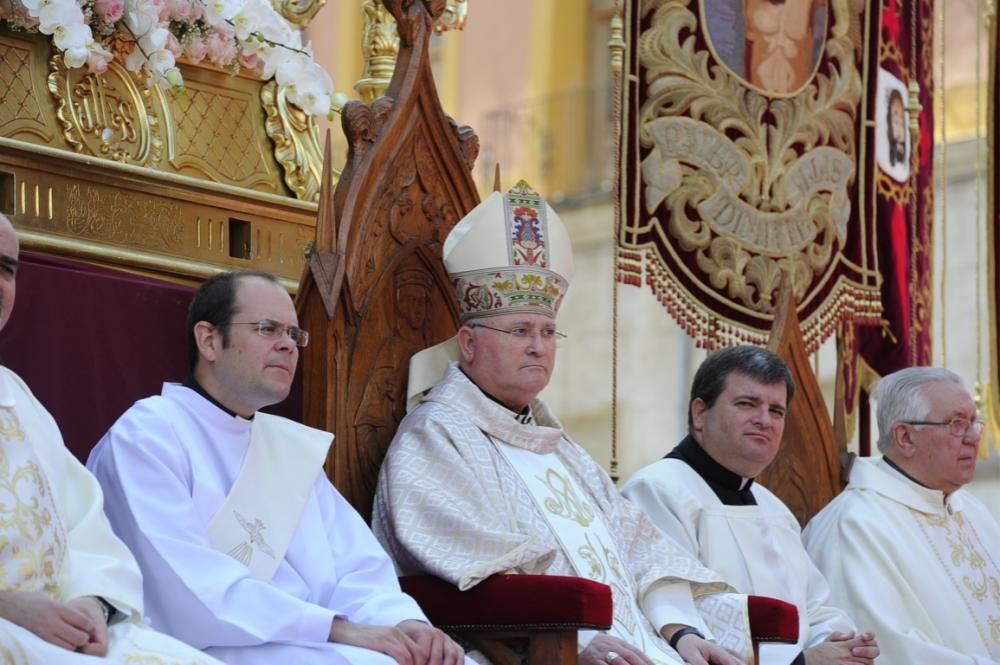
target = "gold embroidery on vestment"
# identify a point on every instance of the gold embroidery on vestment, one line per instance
(564, 502)
(976, 578)
(32, 541)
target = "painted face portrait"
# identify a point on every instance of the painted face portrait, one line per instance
(896, 124)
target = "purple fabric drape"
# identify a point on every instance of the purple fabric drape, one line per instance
(90, 341)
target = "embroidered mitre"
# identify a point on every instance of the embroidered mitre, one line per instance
(511, 253)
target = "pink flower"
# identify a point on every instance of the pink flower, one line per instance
(250, 60)
(195, 50)
(177, 10)
(174, 46)
(97, 64)
(221, 49)
(109, 11)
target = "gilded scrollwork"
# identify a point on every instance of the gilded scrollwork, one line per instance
(93, 214)
(107, 115)
(298, 12)
(380, 37)
(380, 48)
(453, 16)
(296, 143)
(755, 185)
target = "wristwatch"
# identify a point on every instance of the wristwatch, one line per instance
(107, 608)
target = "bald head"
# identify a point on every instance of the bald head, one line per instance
(9, 249)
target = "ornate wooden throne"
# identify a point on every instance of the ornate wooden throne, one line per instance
(374, 293)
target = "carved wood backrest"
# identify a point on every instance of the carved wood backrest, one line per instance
(806, 474)
(375, 291)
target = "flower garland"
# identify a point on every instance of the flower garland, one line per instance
(228, 33)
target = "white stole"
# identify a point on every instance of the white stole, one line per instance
(585, 539)
(262, 510)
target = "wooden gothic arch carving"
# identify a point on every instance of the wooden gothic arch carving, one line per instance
(375, 291)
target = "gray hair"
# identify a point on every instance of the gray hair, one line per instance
(901, 397)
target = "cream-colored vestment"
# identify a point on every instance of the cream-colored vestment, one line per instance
(756, 548)
(451, 503)
(919, 569)
(55, 539)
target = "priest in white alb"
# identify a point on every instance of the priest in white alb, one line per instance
(906, 550)
(481, 478)
(704, 496)
(248, 551)
(70, 591)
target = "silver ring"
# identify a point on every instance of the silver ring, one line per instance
(612, 656)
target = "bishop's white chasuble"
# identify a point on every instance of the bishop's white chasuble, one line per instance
(919, 568)
(451, 503)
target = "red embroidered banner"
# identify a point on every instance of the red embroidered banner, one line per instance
(740, 151)
(901, 196)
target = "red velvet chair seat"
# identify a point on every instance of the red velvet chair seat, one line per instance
(514, 602)
(772, 620)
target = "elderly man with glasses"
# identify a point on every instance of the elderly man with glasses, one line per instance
(248, 551)
(481, 478)
(905, 549)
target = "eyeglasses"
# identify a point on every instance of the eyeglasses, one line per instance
(273, 330)
(958, 427)
(522, 336)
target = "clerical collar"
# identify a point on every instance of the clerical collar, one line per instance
(731, 488)
(192, 383)
(524, 416)
(904, 473)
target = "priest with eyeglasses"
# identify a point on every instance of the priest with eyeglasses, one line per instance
(248, 551)
(482, 479)
(906, 550)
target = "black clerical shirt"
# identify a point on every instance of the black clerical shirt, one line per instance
(731, 488)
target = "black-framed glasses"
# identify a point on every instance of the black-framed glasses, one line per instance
(274, 330)
(523, 336)
(958, 427)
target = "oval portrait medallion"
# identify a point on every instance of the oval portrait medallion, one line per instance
(774, 46)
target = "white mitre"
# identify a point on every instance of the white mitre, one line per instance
(511, 253)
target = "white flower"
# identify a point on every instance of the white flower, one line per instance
(218, 12)
(56, 15)
(140, 16)
(306, 84)
(253, 29)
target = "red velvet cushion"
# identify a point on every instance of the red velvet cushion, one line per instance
(513, 601)
(773, 620)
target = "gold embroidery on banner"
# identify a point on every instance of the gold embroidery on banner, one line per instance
(564, 502)
(749, 184)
